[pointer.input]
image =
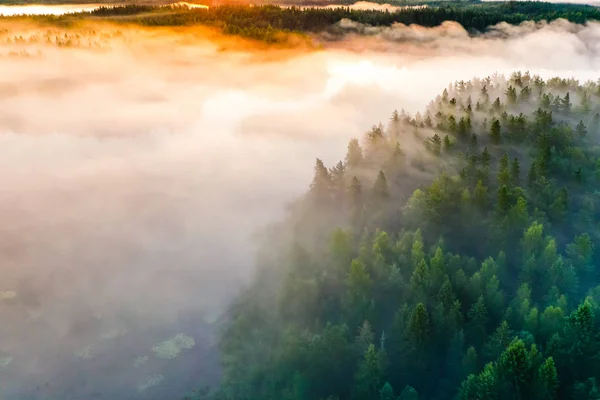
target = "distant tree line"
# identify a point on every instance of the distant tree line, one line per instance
(262, 22)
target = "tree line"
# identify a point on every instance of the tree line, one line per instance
(266, 21)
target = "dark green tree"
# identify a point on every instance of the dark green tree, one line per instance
(495, 131)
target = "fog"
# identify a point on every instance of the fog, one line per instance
(138, 165)
(39, 9)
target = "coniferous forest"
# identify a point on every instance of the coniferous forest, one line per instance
(451, 255)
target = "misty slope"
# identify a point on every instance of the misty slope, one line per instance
(454, 246)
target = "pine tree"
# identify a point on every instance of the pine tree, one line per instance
(514, 371)
(419, 280)
(428, 122)
(356, 191)
(396, 162)
(469, 361)
(354, 156)
(462, 129)
(525, 94)
(581, 129)
(566, 103)
(480, 195)
(376, 135)
(581, 252)
(503, 203)
(369, 376)
(511, 95)
(545, 101)
(358, 291)
(485, 157)
(515, 170)
(487, 383)
(337, 175)
(559, 208)
(387, 392)
(495, 131)
(447, 145)
(468, 389)
(409, 393)
(321, 185)
(452, 125)
(497, 106)
(547, 381)
(418, 327)
(504, 176)
(380, 188)
(580, 331)
(436, 144)
(557, 103)
(484, 93)
(532, 175)
(498, 342)
(585, 105)
(445, 295)
(478, 319)
(365, 337)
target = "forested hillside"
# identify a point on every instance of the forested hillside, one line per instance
(451, 254)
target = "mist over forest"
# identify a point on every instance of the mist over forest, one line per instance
(166, 227)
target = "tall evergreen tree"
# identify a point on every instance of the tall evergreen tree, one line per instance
(495, 131)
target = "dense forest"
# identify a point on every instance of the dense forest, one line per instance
(451, 254)
(269, 21)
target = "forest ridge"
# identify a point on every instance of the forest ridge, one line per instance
(451, 254)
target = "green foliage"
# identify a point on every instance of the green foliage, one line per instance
(386, 392)
(409, 393)
(369, 375)
(473, 279)
(380, 188)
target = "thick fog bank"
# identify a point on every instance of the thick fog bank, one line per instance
(136, 166)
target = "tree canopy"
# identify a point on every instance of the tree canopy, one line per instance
(435, 268)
